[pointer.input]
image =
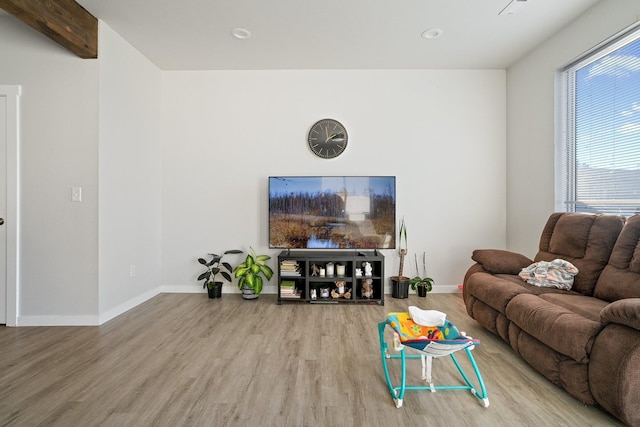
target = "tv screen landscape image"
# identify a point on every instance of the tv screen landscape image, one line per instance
(332, 212)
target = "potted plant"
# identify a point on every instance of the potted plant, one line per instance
(400, 283)
(215, 266)
(250, 273)
(421, 284)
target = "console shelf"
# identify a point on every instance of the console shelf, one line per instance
(300, 278)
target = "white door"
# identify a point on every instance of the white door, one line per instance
(3, 210)
(9, 229)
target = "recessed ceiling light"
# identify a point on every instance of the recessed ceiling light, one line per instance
(432, 33)
(241, 33)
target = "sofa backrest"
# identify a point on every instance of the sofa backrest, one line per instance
(585, 240)
(621, 277)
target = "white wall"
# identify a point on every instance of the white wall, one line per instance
(129, 176)
(93, 124)
(441, 132)
(530, 118)
(58, 149)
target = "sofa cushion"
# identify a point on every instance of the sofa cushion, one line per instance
(494, 291)
(624, 312)
(571, 235)
(621, 277)
(587, 307)
(558, 327)
(500, 261)
(585, 240)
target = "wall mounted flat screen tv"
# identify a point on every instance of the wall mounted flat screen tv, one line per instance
(332, 212)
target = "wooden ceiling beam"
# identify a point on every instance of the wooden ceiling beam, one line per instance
(64, 21)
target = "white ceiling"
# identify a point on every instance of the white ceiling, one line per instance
(333, 34)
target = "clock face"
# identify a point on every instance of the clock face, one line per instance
(327, 138)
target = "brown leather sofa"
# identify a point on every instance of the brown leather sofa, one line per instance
(585, 340)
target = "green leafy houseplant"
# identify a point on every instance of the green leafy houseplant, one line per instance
(250, 272)
(424, 282)
(214, 267)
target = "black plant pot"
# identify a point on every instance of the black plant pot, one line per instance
(422, 291)
(215, 292)
(400, 287)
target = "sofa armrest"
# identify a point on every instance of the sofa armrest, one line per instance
(624, 312)
(614, 361)
(498, 261)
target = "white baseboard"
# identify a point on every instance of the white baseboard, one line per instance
(273, 289)
(452, 289)
(197, 289)
(91, 320)
(88, 320)
(127, 305)
(183, 289)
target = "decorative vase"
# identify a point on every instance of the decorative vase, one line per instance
(248, 293)
(399, 287)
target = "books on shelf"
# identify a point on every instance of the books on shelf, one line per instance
(288, 289)
(289, 268)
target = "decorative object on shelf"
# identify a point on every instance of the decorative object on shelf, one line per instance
(367, 288)
(314, 294)
(322, 272)
(423, 284)
(340, 270)
(341, 291)
(368, 270)
(215, 266)
(358, 272)
(330, 269)
(400, 283)
(327, 138)
(324, 292)
(315, 270)
(250, 273)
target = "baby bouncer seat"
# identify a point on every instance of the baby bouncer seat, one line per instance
(427, 343)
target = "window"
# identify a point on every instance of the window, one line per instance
(600, 142)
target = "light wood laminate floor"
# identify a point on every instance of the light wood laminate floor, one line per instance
(185, 360)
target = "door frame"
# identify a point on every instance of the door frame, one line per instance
(12, 94)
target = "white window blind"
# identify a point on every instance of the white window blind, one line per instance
(603, 129)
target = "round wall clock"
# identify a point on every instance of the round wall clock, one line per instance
(327, 138)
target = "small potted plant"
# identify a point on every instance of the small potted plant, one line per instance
(250, 273)
(422, 284)
(214, 266)
(400, 283)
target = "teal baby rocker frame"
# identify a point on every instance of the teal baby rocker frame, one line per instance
(430, 342)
